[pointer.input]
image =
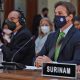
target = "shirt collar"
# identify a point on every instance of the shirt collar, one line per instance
(67, 29)
(14, 33)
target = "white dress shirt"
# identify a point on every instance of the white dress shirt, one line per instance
(67, 29)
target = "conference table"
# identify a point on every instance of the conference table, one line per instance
(28, 75)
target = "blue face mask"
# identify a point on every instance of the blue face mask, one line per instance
(59, 21)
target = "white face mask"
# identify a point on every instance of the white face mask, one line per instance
(45, 29)
(7, 38)
(7, 31)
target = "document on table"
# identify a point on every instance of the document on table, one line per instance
(33, 68)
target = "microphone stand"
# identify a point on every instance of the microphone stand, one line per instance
(21, 48)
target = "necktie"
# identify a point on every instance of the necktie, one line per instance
(58, 45)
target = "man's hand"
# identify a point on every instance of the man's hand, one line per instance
(42, 59)
(78, 69)
(38, 61)
(46, 59)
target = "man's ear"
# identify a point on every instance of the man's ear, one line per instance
(70, 17)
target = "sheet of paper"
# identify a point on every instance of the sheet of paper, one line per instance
(33, 68)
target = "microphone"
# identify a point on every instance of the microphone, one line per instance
(14, 65)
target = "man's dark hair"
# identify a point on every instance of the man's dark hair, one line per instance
(69, 6)
(22, 19)
(44, 9)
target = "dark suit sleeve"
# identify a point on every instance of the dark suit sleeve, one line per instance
(47, 46)
(26, 52)
(10, 50)
(44, 50)
(76, 54)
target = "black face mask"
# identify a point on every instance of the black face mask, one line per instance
(11, 25)
(59, 21)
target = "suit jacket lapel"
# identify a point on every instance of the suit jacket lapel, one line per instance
(16, 34)
(67, 37)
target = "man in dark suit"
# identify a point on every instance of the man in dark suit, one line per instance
(36, 21)
(20, 36)
(69, 50)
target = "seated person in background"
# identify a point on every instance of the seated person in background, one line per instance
(36, 21)
(77, 22)
(63, 45)
(20, 36)
(1, 36)
(44, 29)
(8, 27)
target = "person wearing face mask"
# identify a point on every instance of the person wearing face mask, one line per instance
(45, 28)
(63, 45)
(8, 27)
(36, 20)
(16, 50)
